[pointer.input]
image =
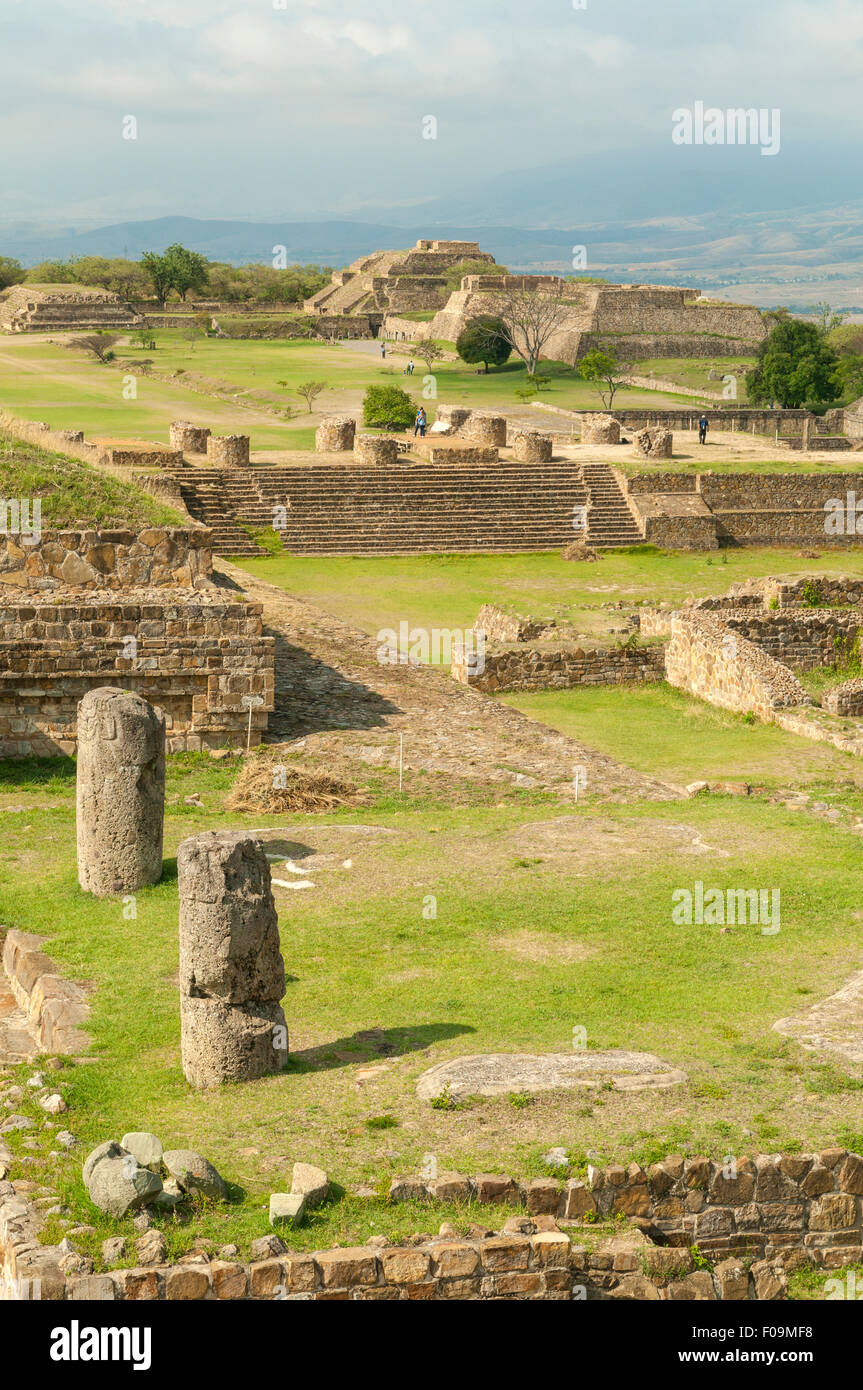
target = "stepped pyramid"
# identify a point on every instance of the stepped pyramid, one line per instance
(41, 308)
(396, 281)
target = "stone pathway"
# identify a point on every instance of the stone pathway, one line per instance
(833, 1027)
(330, 688)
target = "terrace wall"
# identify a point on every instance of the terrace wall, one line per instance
(84, 560)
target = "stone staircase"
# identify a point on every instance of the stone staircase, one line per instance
(413, 508)
(410, 509)
(212, 500)
(610, 523)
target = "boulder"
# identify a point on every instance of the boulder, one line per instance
(194, 1174)
(145, 1147)
(116, 1187)
(311, 1183)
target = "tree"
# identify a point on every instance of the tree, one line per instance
(428, 352)
(11, 272)
(483, 339)
(603, 367)
(388, 408)
(826, 318)
(530, 317)
(310, 390)
(51, 273)
(100, 344)
(795, 365)
(848, 376)
(175, 269)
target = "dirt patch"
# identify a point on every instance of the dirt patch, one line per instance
(540, 946)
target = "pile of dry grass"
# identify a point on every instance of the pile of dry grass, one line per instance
(259, 788)
(577, 550)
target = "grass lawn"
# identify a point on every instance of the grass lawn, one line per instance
(40, 379)
(694, 372)
(446, 591)
(547, 919)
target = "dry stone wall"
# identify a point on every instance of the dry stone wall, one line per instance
(195, 656)
(158, 557)
(555, 667)
(706, 659)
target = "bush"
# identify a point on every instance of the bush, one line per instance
(388, 408)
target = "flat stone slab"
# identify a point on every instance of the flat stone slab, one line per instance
(499, 1073)
(834, 1027)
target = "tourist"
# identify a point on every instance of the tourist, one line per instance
(420, 424)
(411, 367)
(383, 349)
(703, 426)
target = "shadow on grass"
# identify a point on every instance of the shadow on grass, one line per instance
(21, 773)
(370, 1044)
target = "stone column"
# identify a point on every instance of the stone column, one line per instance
(231, 450)
(232, 975)
(335, 434)
(530, 446)
(375, 450)
(600, 429)
(120, 792)
(189, 438)
(486, 429)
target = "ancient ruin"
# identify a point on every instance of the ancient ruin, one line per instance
(232, 975)
(60, 308)
(120, 792)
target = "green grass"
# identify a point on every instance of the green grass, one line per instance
(669, 734)
(73, 492)
(373, 983)
(446, 591)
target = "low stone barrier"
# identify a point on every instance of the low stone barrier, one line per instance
(846, 698)
(556, 667)
(194, 656)
(55, 1008)
(156, 557)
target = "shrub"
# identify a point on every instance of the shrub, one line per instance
(388, 408)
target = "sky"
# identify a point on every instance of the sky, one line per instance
(288, 109)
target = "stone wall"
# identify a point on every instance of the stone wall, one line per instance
(705, 658)
(62, 560)
(802, 638)
(552, 666)
(194, 655)
(845, 699)
(54, 1007)
(752, 1219)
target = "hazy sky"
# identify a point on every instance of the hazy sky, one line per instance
(246, 110)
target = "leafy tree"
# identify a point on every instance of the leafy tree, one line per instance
(848, 376)
(11, 272)
(827, 318)
(176, 269)
(428, 352)
(51, 273)
(795, 365)
(310, 390)
(388, 408)
(483, 339)
(606, 373)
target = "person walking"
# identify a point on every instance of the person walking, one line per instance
(383, 349)
(420, 423)
(703, 426)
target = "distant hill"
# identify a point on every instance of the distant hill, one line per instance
(680, 215)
